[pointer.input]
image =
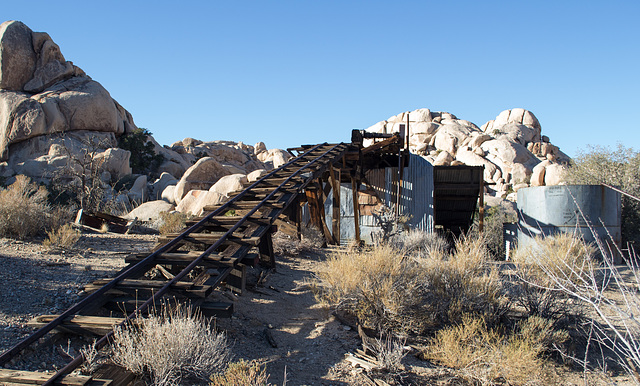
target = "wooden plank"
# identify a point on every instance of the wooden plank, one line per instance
(119, 375)
(183, 258)
(335, 218)
(265, 248)
(237, 279)
(356, 208)
(80, 324)
(39, 378)
(217, 309)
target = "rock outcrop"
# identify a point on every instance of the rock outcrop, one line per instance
(511, 147)
(48, 103)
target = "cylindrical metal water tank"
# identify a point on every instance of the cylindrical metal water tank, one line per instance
(544, 210)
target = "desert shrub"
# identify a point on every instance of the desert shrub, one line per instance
(63, 237)
(144, 159)
(416, 241)
(286, 245)
(243, 373)
(388, 351)
(619, 168)
(490, 355)
(563, 255)
(24, 209)
(608, 293)
(170, 345)
(462, 283)
(172, 222)
(492, 232)
(536, 289)
(386, 290)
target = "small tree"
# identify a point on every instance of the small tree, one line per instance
(80, 181)
(619, 168)
(144, 158)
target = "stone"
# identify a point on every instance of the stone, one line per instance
(256, 175)
(505, 153)
(160, 184)
(17, 58)
(520, 173)
(43, 94)
(468, 157)
(186, 203)
(423, 128)
(276, 157)
(138, 192)
(449, 136)
(232, 183)
(519, 186)
(168, 194)
(517, 133)
(537, 175)
(554, 174)
(204, 173)
(195, 200)
(420, 115)
(149, 211)
(479, 139)
(115, 161)
(259, 148)
(444, 158)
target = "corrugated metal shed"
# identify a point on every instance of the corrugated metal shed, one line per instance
(416, 199)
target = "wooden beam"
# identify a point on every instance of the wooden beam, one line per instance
(335, 219)
(481, 205)
(356, 208)
(265, 248)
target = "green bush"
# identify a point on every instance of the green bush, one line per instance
(144, 159)
(619, 168)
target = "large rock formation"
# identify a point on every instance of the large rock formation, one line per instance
(511, 147)
(44, 99)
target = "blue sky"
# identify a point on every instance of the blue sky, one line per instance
(301, 72)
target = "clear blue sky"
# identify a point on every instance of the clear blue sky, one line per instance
(299, 72)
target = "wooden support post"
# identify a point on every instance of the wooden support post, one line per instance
(335, 219)
(481, 204)
(237, 279)
(315, 199)
(265, 248)
(356, 208)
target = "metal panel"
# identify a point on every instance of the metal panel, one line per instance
(544, 210)
(416, 199)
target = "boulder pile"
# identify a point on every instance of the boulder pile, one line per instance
(57, 122)
(511, 147)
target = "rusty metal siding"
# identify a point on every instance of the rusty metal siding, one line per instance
(416, 199)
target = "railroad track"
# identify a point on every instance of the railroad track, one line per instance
(212, 250)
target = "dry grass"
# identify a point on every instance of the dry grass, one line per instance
(242, 373)
(170, 346)
(23, 207)
(63, 237)
(389, 352)
(416, 241)
(172, 222)
(489, 356)
(536, 289)
(562, 255)
(387, 290)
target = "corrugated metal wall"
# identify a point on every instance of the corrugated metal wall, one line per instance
(416, 199)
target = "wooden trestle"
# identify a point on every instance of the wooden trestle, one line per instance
(213, 250)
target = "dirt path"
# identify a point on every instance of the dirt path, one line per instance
(311, 343)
